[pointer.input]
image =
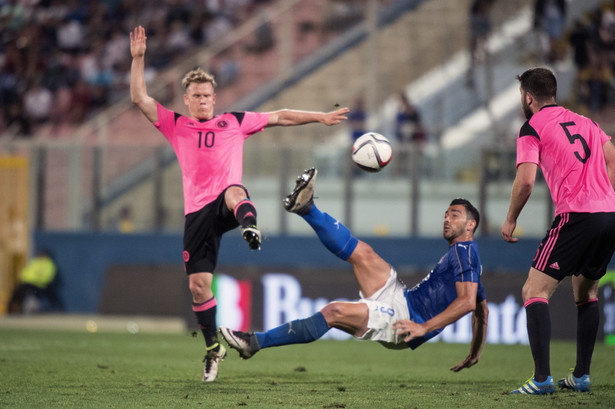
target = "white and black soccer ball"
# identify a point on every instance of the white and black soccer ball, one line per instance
(372, 152)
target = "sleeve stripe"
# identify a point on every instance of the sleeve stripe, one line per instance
(459, 262)
(473, 269)
(528, 130)
(470, 261)
(239, 116)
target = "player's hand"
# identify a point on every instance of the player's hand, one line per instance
(466, 363)
(335, 117)
(409, 328)
(507, 231)
(137, 42)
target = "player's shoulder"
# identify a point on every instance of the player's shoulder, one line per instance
(466, 245)
(237, 116)
(527, 129)
(537, 125)
(465, 248)
(577, 118)
(166, 113)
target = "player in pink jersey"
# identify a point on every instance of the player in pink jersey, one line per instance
(578, 162)
(209, 149)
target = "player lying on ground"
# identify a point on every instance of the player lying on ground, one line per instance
(387, 312)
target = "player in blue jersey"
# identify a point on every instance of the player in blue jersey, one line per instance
(388, 312)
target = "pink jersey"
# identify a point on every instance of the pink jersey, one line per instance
(568, 149)
(210, 153)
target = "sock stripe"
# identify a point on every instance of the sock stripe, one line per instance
(533, 300)
(204, 306)
(587, 302)
(241, 203)
(348, 249)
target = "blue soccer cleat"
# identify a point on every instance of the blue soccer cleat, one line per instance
(580, 384)
(532, 387)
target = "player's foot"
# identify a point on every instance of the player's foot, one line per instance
(301, 199)
(580, 384)
(252, 235)
(244, 342)
(212, 360)
(532, 387)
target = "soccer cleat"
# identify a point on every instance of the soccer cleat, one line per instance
(244, 342)
(532, 387)
(301, 199)
(252, 235)
(580, 384)
(212, 360)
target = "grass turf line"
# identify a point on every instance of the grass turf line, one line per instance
(113, 370)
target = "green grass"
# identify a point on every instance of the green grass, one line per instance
(49, 369)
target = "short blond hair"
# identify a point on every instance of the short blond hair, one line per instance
(199, 76)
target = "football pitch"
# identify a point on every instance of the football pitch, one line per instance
(77, 369)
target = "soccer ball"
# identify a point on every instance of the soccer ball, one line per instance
(372, 152)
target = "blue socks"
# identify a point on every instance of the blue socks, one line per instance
(338, 240)
(294, 332)
(334, 235)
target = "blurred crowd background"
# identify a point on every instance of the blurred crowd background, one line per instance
(62, 60)
(81, 168)
(417, 71)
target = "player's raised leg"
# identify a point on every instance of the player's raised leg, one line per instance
(299, 331)
(350, 317)
(371, 271)
(239, 202)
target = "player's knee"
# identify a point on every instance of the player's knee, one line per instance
(525, 292)
(200, 291)
(584, 295)
(363, 254)
(196, 290)
(333, 312)
(365, 259)
(234, 195)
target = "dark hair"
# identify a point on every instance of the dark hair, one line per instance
(540, 82)
(471, 211)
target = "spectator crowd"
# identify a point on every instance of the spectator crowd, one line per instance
(61, 60)
(592, 39)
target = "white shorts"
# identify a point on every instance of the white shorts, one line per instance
(387, 306)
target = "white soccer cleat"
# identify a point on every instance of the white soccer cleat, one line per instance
(243, 342)
(301, 200)
(252, 236)
(212, 360)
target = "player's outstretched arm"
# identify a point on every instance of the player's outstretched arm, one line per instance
(463, 304)
(291, 117)
(479, 335)
(138, 89)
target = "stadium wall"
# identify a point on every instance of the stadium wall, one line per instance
(291, 277)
